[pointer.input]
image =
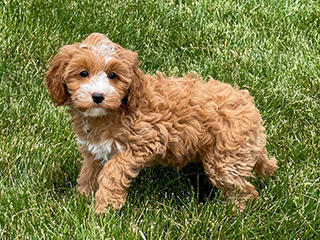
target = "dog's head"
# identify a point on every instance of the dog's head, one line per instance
(94, 76)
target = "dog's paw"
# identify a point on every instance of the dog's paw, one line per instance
(85, 188)
(103, 202)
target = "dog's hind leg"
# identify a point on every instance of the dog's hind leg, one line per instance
(265, 167)
(229, 175)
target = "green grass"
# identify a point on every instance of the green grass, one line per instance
(271, 48)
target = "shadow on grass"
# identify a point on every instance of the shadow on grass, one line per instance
(160, 183)
(62, 176)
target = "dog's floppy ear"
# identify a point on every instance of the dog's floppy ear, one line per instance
(137, 85)
(54, 77)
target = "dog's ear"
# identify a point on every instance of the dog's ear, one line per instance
(128, 56)
(54, 77)
(136, 89)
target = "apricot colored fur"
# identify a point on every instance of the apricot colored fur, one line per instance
(159, 120)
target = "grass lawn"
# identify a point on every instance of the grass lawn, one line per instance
(270, 47)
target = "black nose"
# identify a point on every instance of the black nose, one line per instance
(97, 97)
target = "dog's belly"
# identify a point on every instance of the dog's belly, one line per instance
(172, 160)
(102, 151)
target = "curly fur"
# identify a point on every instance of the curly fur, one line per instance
(145, 120)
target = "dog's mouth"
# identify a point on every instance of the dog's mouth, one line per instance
(95, 112)
(95, 104)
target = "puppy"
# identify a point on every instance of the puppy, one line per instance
(125, 120)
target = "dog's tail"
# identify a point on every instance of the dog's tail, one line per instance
(265, 167)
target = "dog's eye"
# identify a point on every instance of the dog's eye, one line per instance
(112, 75)
(84, 74)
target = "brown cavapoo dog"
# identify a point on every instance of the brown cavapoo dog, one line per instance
(126, 120)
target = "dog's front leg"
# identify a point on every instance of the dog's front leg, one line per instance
(87, 180)
(114, 179)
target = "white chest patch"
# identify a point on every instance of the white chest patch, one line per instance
(103, 151)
